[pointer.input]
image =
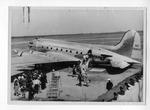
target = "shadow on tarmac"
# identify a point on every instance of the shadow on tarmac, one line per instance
(45, 67)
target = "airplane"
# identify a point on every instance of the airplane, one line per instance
(121, 56)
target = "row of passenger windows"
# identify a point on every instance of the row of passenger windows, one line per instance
(62, 50)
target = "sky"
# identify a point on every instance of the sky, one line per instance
(51, 21)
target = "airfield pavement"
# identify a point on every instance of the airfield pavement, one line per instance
(68, 84)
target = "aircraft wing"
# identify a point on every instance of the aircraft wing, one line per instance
(44, 58)
(25, 62)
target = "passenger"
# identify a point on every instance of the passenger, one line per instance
(23, 90)
(131, 81)
(35, 75)
(69, 71)
(136, 79)
(36, 84)
(31, 91)
(84, 60)
(109, 85)
(16, 87)
(115, 96)
(74, 71)
(20, 81)
(24, 80)
(78, 69)
(79, 62)
(121, 92)
(127, 85)
(28, 81)
(103, 100)
(24, 75)
(44, 80)
(53, 74)
(86, 80)
(85, 77)
(80, 79)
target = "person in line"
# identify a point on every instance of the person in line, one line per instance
(86, 80)
(16, 87)
(69, 71)
(85, 77)
(109, 85)
(74, 71)
(121, 92)
(36, 84)
(23, 90)
(114, 98)
(80, 78)
(20, 81)
(43, 81)
(127, 85)
(31, 92)
(131, 81)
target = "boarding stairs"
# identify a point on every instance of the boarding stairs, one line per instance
(54, 86)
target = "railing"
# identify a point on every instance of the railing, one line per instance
(54, 89)
(121, 91)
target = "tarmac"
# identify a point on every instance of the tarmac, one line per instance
(70, 91)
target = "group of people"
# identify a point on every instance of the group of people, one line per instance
(122, 88)
(32, 82)
(80, 73)
(80, 70)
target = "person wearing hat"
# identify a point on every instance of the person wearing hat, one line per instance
(109, 85)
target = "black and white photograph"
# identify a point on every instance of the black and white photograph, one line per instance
(77, 54)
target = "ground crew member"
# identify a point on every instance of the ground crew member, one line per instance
(109, 85)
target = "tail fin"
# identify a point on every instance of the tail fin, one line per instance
(130, 45)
